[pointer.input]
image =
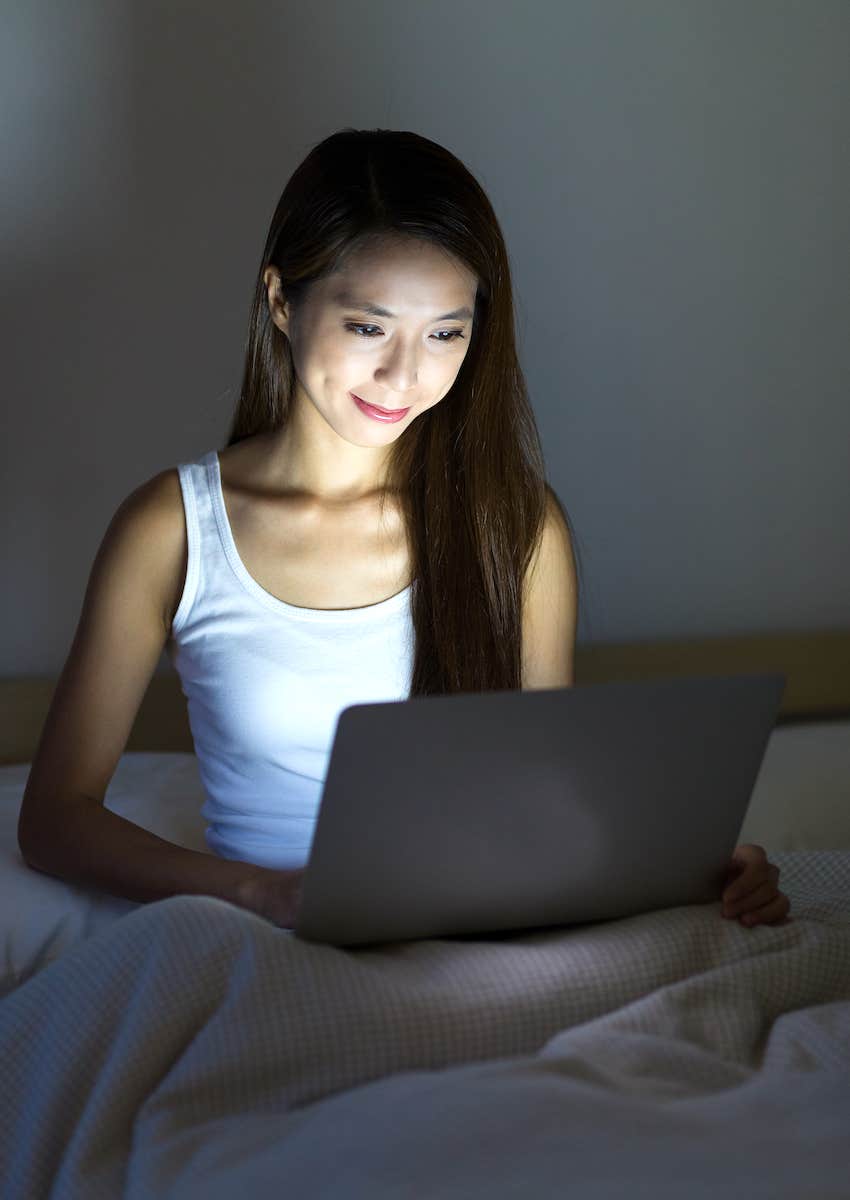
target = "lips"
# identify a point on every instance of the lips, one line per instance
(385, 416)
(380, 407)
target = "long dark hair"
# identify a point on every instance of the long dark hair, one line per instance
(469, 475)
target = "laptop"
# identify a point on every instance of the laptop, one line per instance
(492, 812)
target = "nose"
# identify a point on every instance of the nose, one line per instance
(399, 371)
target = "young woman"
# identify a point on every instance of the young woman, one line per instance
(377, 526)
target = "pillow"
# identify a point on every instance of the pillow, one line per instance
(42, 916)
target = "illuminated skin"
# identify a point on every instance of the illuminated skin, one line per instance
(333, 455)
(330, 450)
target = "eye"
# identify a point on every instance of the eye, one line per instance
(361, 329)
(449, 334)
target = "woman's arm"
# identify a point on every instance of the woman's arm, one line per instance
(64, 828)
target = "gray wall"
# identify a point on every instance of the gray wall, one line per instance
(672, 180)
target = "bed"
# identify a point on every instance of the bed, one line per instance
(188, 1048)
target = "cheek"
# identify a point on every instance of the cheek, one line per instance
(320, 352)
(326, 368)
(345, 366)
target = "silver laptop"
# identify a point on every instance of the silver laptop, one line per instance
(493, 812)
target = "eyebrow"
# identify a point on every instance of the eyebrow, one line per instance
(346, 300)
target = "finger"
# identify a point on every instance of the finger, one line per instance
(748, 854)
(747, 883)
(775, 913)
(763, 894)
(748, 862)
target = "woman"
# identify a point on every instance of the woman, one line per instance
(378, 525)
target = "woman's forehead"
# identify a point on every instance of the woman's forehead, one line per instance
(400, 275)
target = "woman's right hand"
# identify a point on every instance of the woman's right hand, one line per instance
(273, 894)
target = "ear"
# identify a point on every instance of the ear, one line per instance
(278, 307)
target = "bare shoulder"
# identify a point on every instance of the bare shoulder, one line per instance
(155, 507)
(550, 604)
(153, 517)
(555, 516)
(554, 548)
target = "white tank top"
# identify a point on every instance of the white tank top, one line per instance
(265, 682)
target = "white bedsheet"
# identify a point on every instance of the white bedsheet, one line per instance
(675, 1053)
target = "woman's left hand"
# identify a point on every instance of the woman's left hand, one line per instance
(751, 893)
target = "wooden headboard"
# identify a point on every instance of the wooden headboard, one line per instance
(816, 666)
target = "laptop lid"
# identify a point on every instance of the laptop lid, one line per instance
(497, 811)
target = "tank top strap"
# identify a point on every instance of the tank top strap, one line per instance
(202, 532)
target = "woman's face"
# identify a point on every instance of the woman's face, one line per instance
(404, 358)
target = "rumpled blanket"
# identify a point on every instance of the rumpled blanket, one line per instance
(193, 1048)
